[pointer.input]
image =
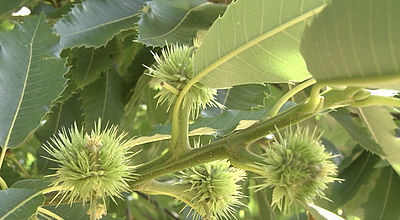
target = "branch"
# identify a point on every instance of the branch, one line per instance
(227, 147)
(179, 136)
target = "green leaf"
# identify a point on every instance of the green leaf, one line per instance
(357, 178)
(383, 129)
(61, 115)
(354, 42)
(19, 203)
(88, 63)
(176, 21)
(230, 120)
(383, 201)
(36, 184)
(357, 131)
(7, 6)
(103, 99)
(259, 205)
(10, 174)
(223, 124)
(131, 108)
(31, 77)
(94, 22)
(244, 97)
(255, 41)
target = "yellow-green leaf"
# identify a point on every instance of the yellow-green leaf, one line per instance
(256, 41)
(355, 42)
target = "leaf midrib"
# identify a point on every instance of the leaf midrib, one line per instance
(24, 86)
(386, 195)
(31, 197)
(103, 110)
(253, 42)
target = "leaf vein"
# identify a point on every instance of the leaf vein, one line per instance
(24, 86)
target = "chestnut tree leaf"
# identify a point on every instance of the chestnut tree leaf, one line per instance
(19, 203)
(176, 21)
(93, 23)
(383, 130)
(103, 99)
(31, 77)
(355, 42)
(360, 177)
(383, 200)
(359, 133)
(255, 41)
(63, 114)
(88, 63)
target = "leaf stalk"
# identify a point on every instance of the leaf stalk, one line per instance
(275, 109)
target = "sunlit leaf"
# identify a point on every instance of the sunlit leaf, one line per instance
(256, 41)
(383, 130)
(354, 42)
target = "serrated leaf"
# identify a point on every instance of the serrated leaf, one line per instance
(19, 203)
(357, 40)
(88, 63)
(383, 201)
(61, 115)
(176, 21)
(383, 129)
(359, 174)
(94, 22)
(255, 41)
(31, 77)
(357, 131)
(7, 6)
(103, 99)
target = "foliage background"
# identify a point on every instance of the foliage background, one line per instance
(105, 46)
